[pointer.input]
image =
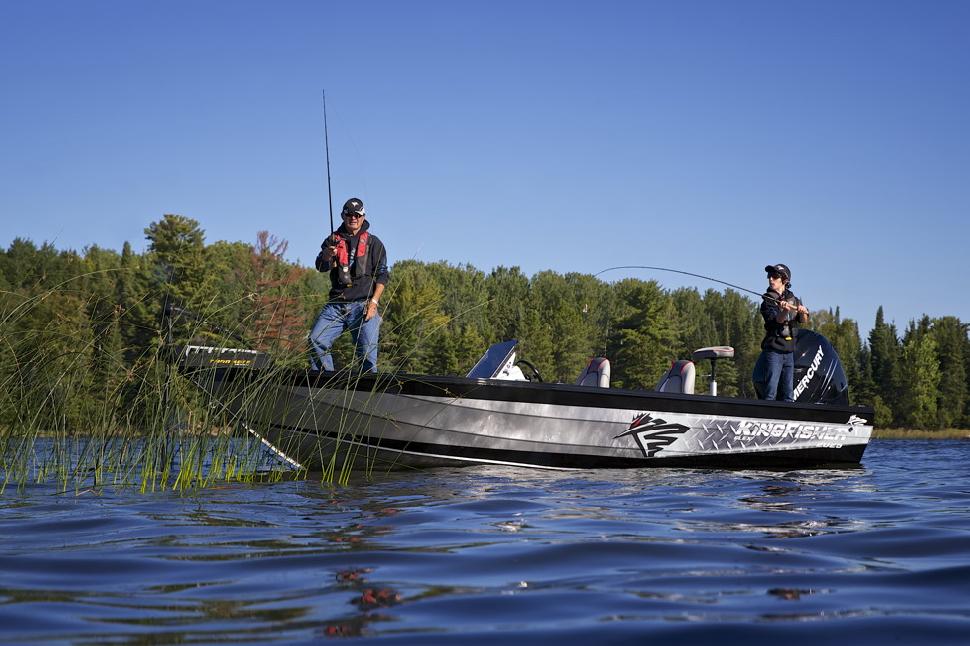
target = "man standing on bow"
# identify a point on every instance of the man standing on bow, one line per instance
(782, 311)
(357, 262)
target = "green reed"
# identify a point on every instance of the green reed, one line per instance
(92, 395)
(79, 410)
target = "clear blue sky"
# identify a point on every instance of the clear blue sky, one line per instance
(713, 137)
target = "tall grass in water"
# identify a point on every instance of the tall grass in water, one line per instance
(81, 407)
(326, 419)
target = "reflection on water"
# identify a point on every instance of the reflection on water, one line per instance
(492, 553)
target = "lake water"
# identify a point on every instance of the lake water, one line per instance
(491, 554)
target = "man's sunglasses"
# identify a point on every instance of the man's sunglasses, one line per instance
(774, 276)
(353, 215)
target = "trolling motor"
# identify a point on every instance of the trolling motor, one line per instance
(713, 353)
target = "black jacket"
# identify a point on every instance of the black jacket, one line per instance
(780, 337)
(373, 271)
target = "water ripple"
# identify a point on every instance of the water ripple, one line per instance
(869, 555)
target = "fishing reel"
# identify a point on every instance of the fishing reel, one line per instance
(343, 276)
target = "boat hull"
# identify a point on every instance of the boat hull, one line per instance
(326, 421)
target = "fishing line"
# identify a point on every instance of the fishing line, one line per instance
(688, 273)
(685, 273)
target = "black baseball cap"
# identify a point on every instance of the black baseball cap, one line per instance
(353, 205)
(780, 269)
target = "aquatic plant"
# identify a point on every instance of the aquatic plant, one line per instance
(80, 407)
(92, 393)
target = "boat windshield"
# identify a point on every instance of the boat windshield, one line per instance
(497, 357)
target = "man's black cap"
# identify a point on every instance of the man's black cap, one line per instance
(353, 205)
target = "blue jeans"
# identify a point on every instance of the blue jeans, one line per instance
(333, 320)
(781, 374)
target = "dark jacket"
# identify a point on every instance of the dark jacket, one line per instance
(366, 272)
(780, 337)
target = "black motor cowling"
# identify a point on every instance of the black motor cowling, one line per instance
(819, 376)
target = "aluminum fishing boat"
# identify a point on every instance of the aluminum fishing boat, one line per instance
(501, 414)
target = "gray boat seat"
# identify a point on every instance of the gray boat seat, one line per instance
(597, 373)
(714, 352)
(679, 379)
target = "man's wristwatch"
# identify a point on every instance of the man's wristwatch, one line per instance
(374, 302)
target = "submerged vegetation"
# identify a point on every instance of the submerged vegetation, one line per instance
(89, 394)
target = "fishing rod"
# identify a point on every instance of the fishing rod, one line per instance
(326, 139)
(688, 273)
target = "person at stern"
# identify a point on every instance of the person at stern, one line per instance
(782, 311)
(357, 262)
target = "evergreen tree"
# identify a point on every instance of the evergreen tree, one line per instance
(177, 244)
(21, 264)
(965, 423)
(570, 333)
(415, 320)
(695, 327)
(593, 300)
(536, 341)
(644, 338)
(138, 309)
(53, 344)
(950, 335)
(465, 303)
(843, 334)
(863, 390)
(884, 354)
(696, 330)
(508, 293)
(102, 271)
(919, 379)
(239, 280)
(460, 351)
(737, 323)
(464, 295)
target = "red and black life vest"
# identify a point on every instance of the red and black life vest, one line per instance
(360, 256)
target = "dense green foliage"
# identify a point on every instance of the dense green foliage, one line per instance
(81, 333)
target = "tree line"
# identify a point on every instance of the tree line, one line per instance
(82, 332)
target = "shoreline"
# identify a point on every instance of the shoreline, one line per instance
(920, 434)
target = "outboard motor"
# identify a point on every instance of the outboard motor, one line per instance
(819, 376)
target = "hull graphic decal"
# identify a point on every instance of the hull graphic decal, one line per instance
(653, 434)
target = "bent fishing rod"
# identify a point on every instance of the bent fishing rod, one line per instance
(687, 273)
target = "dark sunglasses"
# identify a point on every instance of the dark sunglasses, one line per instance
(773, 276)
(353, 215)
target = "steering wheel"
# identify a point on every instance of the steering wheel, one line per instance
(534, 376)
